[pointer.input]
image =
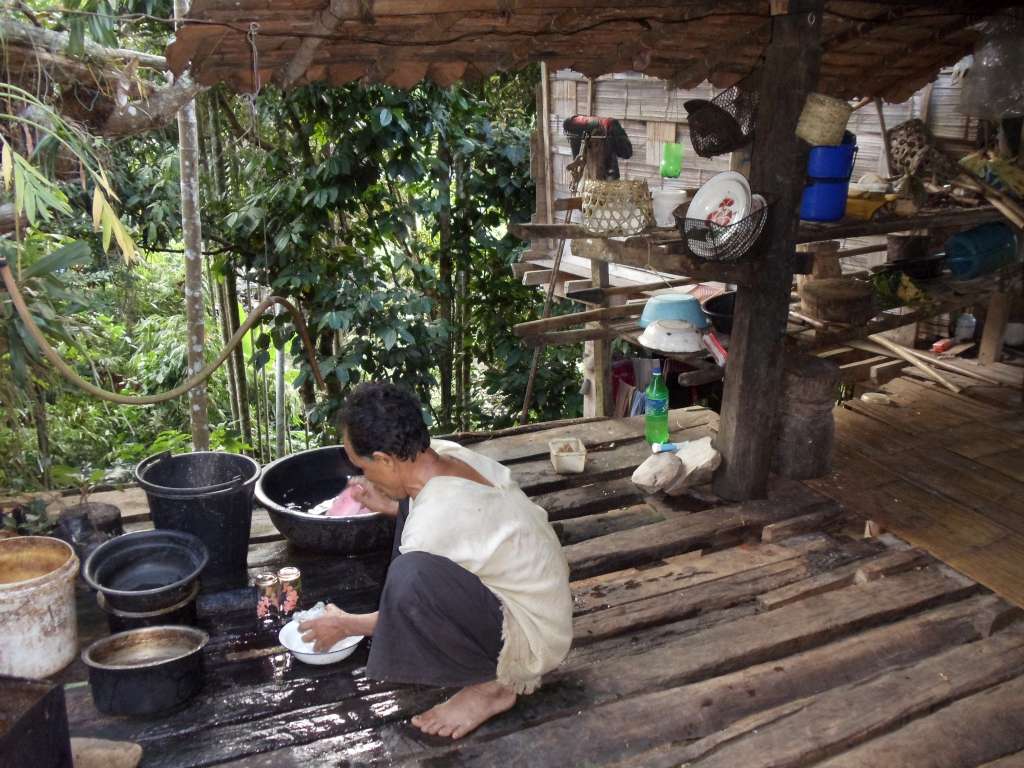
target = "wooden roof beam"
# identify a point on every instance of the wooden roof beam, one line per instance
(326, 23)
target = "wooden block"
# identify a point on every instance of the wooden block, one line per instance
(884, 372)
(815, 521)
(860, 370)
(897, 562)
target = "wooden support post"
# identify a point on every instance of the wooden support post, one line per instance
(754, 374)
(995, 327)
(597, 357)
(885, 138)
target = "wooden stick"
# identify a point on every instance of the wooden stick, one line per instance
(885, 138)
(557, 338)
(594, 295)
(904, 352)
(806, 320)
(534, 327)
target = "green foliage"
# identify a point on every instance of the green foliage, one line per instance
(381, 213)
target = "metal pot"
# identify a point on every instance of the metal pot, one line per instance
(183, 613)
(147, 570)
(719, 310)
(300, 482)
(145, 671)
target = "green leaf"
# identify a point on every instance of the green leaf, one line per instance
(385, 117)
(61, 259)
(389, 337)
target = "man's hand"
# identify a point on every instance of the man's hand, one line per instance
(328, 629)
(336, 625)
(367, 494)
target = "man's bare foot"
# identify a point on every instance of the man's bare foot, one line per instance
(467, 709)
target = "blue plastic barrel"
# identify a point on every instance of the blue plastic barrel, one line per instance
(824, 200)
(980, 251)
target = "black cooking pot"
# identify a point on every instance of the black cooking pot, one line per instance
(303, 480)
(145, 671)
(147, 570)
(720, 309)
(183, 612)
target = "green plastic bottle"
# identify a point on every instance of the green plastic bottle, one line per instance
(656, 409)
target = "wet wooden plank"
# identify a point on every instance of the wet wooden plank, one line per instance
(970, 731)
(631, 726)
(844, 717)
(714, 528)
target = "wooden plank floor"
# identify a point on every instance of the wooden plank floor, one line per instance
(706, 634)
(943, 471)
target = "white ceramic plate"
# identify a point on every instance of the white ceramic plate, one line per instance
(291, 639)
(724, 199)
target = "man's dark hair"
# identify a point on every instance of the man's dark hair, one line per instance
(384, 417)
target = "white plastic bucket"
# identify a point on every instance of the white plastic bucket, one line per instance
(666, 201)
(38, 623)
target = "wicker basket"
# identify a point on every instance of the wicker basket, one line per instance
(823, 120)
(621, 207)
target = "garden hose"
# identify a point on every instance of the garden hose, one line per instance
(68, 373)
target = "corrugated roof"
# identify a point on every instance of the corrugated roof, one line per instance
(887, 49)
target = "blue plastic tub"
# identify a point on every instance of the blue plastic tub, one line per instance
(980, 251)
(824, 200)
(831, 162)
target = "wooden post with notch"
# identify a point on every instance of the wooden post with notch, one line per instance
(754, 373)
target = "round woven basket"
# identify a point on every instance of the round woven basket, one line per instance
(619, 207)
(823, 120)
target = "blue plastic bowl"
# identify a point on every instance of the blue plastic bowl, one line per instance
(673, 306)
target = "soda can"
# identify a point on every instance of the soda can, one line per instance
(290, 578)
(268, 596)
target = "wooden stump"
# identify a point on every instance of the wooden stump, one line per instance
(805, 429)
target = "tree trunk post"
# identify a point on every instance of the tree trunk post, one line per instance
(754, 372)
(192, 235)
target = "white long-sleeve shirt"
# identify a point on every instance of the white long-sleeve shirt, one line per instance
(505, 539)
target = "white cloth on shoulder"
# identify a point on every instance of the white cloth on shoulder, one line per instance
(505, 539)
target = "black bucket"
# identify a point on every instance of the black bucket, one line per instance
(208, 494)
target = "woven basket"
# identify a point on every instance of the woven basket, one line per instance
(621, 207)
(823, 120)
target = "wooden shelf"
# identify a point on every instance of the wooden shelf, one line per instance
(946, 295)
(662, 249)
(946, 217)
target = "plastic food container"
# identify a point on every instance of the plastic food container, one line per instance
(568, 455)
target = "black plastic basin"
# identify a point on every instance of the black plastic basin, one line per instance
(302, 481)
(719, 310)
(147, 570)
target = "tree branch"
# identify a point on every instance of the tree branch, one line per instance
(152, 111)
(13, 32)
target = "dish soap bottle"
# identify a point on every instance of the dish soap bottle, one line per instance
(656, 409)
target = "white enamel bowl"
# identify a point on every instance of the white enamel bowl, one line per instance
(291, 638)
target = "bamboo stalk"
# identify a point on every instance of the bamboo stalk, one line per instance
(900, 351)
(535, 327)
